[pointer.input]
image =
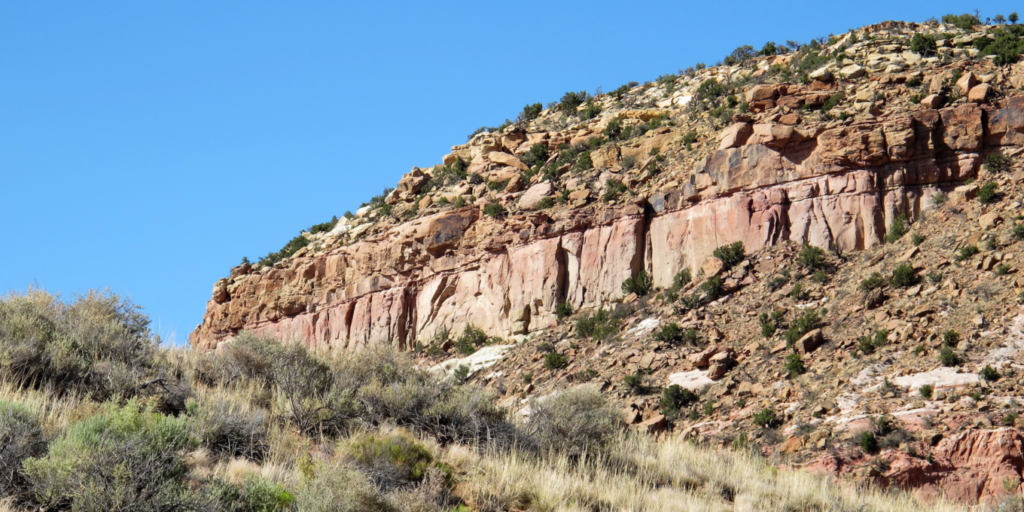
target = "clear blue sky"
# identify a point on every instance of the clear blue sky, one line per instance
(145, 147)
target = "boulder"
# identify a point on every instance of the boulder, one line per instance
(966, 82)
(809, 342)
(989, 220)
(507, 159)
(821, 74)
(761, 93)
(851, 72)
(979, 93)
(933, 101)
(605, 157)
(534, 195)
(735, 135)
(712, 267)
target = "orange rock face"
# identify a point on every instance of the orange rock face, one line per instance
(968, 468)
(836, 187)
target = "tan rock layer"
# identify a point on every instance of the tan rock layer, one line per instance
(828, 187)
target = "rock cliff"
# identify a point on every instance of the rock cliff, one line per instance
(825, 182)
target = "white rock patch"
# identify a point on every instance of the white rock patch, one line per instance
(692, 380)
(484, 358)
(943, 377)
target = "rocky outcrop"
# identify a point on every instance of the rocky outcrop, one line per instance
(831, 186)
(978, 465)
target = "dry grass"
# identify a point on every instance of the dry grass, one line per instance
(55, 412)
(639, 474)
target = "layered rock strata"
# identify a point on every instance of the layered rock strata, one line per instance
(831, 187)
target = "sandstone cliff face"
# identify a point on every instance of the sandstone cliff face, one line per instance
(838, 186)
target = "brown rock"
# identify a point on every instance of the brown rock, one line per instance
(535, 194)
(790, 119)
(933, 101)
(809, 342)
(735, 135)
(989, 220)
(979, 93)
(506, 159)
(712, 267)
(966, 82)
(605, 157)
(761, 92)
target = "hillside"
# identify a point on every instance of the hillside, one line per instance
(665, 233)
(787, 281)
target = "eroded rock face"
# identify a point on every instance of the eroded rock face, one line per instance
(967, 468)
(836, 187)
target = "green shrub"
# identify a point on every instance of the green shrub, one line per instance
(950, 337)
(797, 293)
(916, 239)
(811, 257)
(708, 90)
(599, 325)
(948, 357)
(997, 162)
(669, 333)
(537, 155)
(262, 495)
(989, 374)
(926, 391)
(555, 361)
(571, 101)
(689, 138)
(904, 276)
(640, 285)
(764, 418)
(897, 229)
(495, 210)
(806, 323)
(777, 282)
(730, 254)
(573, 421)
(20, 438)
(497, 185)
(712, 288)
(770, 323)
(394, 460)
(98, 345)
(794, 365)
(563, 311)
(231, 427)
(1018, 231)
(590, 110)
(966, 252)
(690, 337)
(820, 277)
(865, 345)
(868, 442)
(923, 44)
(987, 193)
(472, 337)
(339, 488)
(461, 374)
(674, 398)
(832, 101)
(635, 382)
(531, 112)
(681, 279)
(123, 458)
(613, 189)
(964, 21)
(939, 199)
(1002, 269)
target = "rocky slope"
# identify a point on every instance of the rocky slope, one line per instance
(831, 145)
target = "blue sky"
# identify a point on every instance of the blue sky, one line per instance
(146, 147)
